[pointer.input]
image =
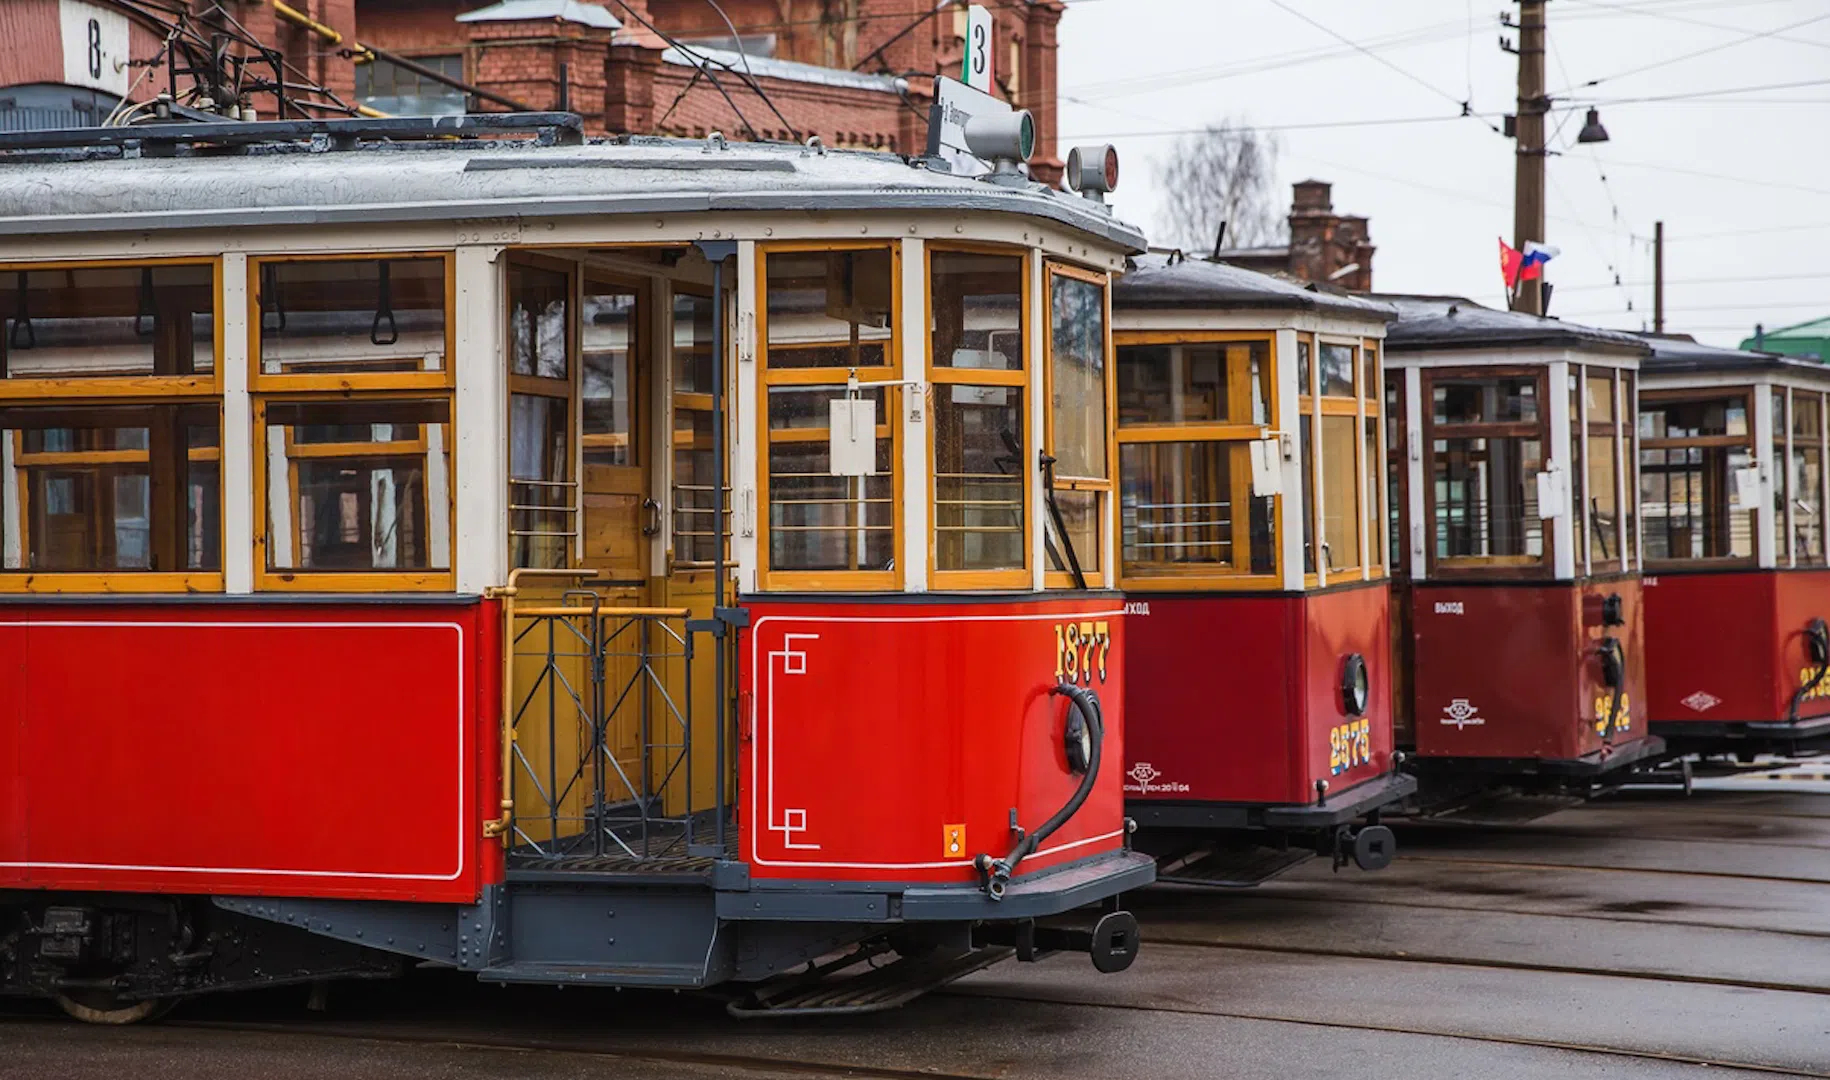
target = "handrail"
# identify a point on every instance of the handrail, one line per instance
(507, 593)
(615, 612)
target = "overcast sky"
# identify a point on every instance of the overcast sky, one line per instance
(1741, 180)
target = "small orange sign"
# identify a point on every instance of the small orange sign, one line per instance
(956, 841)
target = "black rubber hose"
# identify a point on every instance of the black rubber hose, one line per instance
(997, 872)
(1820, 631)
(1620, 686)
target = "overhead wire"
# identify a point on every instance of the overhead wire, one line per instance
(1705, 51)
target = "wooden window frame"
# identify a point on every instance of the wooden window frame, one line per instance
(1227, 432)
(1823, 477)
(1476, 567)
(122, 390)
(1107, 573)
(938, 376)
(348, 382)
(1660, 398)
(679, 400)
(350, 581)
(1376, 514)
(566, 389)
(888, 375)
(1312, 407)
(1619, 439)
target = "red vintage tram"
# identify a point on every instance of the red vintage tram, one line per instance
(1252, 555)
(386, 511)
(1731, 494)
(1517, 559)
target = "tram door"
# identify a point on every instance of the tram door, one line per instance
(619, 513)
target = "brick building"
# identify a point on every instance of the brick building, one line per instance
(1325, 247)
(857, 73)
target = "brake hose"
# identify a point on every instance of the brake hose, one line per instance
(1817, 636)
(1611, 646)
(996, 872)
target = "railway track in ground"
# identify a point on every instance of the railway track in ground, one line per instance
(1533, 864)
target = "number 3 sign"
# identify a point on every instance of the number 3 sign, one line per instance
(978, 49)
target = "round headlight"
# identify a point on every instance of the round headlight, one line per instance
(1077, 741)
(1356, 685)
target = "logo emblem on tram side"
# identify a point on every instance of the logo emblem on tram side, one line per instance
(1139, 780)
(1459, 714)
(1701, 701)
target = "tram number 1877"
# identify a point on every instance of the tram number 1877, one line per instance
(1081, 651)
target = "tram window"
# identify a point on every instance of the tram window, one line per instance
(1397, 470)
(694, 501)
(1485, 401)
(1080, 515)
(1687, 491)
(358, 485)
(1304, 374)
(976, 304)
(1579, 542)
(114, 488)
(1629, 434)
(1604, 474)
(541, 525)
(352, 316)
(1194, 383)
(1077, 376)
(1486, 498)
(539, 302)
(818, 521)
(1807, 477)
(1340, 493)
(608, 380)
(1338, 371)
(830, 309)
(108, 321)
(1372, 463)
(1782, 549)
(1180, 509)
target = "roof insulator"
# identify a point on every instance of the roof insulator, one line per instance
(715, 142)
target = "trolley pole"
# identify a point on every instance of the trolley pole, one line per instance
(1658, 277)
(1528, 190)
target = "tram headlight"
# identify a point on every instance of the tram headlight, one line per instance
(1356, 685)
(1093, 170)
(1077, 742)
(1004, 137)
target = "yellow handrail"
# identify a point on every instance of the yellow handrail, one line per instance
(613, 612)
(507, 593)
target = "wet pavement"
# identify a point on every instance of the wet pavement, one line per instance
(1646, 935)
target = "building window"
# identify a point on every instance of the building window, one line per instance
(1188, 414)
(110, 428)
(1077, 436)
(398, 91)
(1691, 450)
(977, 351)
(829, 314)
(353, 477)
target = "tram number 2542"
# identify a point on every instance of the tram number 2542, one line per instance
(1081, 651)
(1349, 745)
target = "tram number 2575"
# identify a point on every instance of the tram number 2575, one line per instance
(1349, 745)
(1081, 651)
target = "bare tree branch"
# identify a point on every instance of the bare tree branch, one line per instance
(1227, 173)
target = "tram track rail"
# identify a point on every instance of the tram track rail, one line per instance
(1518, 864)
(1400, 1029)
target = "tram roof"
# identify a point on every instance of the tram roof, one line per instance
(1453, 322)
(308, 180)
(1679, 354)
(1165, 281)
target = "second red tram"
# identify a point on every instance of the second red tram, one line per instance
(1252, 554)
(628, 564)
(1737, 589)
(1516, 548)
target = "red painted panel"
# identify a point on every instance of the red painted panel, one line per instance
(326, 751)
(1233, 698)
(1731, 647)
(872, 728)
(1510, 671)
(1337, 623)
(12, 724)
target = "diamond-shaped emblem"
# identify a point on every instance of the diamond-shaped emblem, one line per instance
(1701, 701)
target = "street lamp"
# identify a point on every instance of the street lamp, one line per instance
(1592, 131)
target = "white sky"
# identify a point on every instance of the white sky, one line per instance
(1754, 164)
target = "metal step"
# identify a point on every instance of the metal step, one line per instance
(1232, 868)
(652, 975)
(823, 993)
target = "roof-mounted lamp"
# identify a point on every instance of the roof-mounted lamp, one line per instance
(1592, 131)
(1093, 171)
(1006, 140)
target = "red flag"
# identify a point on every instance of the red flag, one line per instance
(1510, 264)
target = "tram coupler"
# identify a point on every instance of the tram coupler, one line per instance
(1112, 942)
(1369, 847)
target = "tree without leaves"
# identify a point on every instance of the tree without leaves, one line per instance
(1225, 174)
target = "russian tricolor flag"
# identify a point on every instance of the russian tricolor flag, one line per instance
(1517, 266)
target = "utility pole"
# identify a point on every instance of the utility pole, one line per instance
(1528, 190)
(1658, 277)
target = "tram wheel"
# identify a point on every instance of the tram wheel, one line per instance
(102, 1007)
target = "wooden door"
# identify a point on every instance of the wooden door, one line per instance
(620, 515)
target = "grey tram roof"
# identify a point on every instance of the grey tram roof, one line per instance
(1453, 322)
(48, 188)
(1684, 356)
(1196, 284)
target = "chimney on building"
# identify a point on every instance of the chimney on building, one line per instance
(1326, 247)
